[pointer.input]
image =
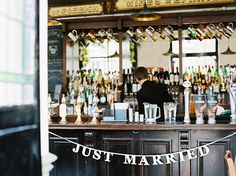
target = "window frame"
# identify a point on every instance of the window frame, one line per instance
(186, 55)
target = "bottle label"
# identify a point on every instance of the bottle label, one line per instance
(166, 81)
(103, 100)
(125, 88)
(216, 88)
(62, 110)
(134, 87)
(81, 88)
(131, 115)
(90, 99)
(172, 78)
(176, 78)
(136, 116)
(85, 110)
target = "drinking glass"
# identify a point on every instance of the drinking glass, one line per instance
(211, 108)
(170, 112)
(200, 105)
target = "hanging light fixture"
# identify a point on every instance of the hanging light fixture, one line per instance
(114, 55)
(228, 51)
(170, 52)
(145, 14)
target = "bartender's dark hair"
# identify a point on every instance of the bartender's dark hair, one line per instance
(140, 73)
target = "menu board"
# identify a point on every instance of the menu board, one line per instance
(55, 58)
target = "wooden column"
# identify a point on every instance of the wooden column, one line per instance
(180, 47)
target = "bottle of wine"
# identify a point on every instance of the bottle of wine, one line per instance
(172, 76)
(161, 75)
(166, 77)
(185, 74)
(131, 80)
(209, 75)
(176, 76)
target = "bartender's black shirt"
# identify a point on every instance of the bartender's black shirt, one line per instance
(154, 93)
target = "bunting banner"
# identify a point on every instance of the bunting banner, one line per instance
(158, 159)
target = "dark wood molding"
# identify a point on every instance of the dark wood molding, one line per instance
(92, 25)
(217, 18)
(121, 22)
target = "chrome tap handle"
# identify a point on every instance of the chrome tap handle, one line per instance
(232, 95)
(186, 84)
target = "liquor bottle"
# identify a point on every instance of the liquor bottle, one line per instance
(136, 114)
(131, 80)
(228, 74)
(116, 94)
(209, 75)
(134, 86)
(194, 86)
(202, 70)
(221, 70)
(90, 97)
(155, 76)
(216, 74)
(172, 76)
(176, 76)
(193, 76)
(161, 75)
(62, 107)
(85, 109)
(199, 75)
(203, 82)
(166, 77)
(49, 104)
(128, 82)
(103, 97)
(215, 84)
(223, 88)
(110, 95)
(124, 75)
(224, 74)
(149, 74)
(131, 113)
(127, 77)
(185, 74)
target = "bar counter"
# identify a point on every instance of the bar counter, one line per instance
(140, 139)
(140, 126)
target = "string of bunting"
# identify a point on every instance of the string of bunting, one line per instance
(158, 159)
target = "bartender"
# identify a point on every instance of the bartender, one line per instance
(151, 91)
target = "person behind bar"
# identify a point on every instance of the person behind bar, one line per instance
(150, 92)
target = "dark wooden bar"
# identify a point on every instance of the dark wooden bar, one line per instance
(140, 139)
(145, 127)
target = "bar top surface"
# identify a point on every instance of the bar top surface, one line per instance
(139, 126)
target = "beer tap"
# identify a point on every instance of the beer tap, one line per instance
(232, 95)
(187, 90)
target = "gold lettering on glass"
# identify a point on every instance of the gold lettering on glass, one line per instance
(138, 4)
(75, 10)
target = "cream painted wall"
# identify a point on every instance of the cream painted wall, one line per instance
(227, 59)
(150, 53)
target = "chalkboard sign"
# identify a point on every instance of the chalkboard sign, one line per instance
(55, 57)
